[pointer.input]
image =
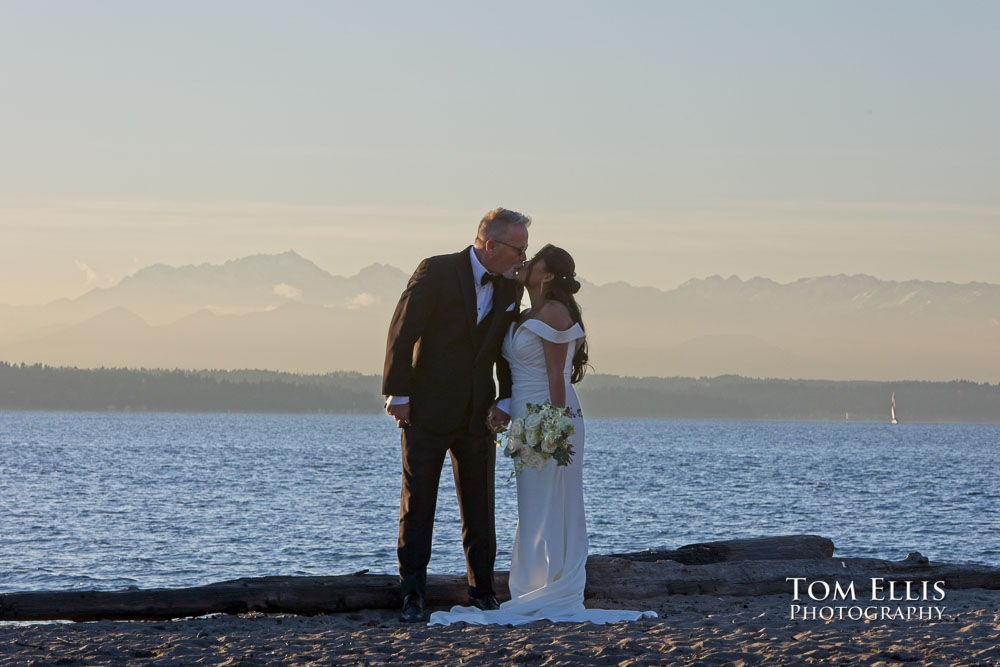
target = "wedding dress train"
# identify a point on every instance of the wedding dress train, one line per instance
(548, 564)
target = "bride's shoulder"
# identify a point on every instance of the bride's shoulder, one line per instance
(556, 315)
(554, 324)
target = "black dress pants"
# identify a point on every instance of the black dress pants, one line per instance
(473, 459)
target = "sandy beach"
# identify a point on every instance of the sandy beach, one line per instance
(696, 629)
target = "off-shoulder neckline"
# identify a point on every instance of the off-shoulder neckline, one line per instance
(518, 325)
(576, 328)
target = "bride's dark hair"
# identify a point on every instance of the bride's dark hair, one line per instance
(562, 288)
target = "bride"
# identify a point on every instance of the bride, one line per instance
(547, 352)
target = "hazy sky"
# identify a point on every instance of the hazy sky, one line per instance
(657, 141)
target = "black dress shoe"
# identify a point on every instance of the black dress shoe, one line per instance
(413, 608)
(485, 602)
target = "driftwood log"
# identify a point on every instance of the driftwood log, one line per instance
(790, 547)
(736, 567)
(617, 578)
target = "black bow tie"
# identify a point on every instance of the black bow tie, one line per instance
(494, 278)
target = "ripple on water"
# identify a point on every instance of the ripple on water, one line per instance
(108, 500)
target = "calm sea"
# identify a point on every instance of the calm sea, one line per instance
(110, 500)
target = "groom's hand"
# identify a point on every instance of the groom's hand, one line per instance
(498, 418)
(401, 413)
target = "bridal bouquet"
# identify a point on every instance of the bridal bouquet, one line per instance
(542, 434)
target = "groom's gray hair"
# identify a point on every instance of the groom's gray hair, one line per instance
(497, 221)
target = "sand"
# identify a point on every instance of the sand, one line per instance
(691, 630)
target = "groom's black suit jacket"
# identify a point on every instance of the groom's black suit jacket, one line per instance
(438, 355)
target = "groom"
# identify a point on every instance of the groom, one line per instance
(444, 341)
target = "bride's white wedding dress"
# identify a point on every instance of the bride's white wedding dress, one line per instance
(548, 564)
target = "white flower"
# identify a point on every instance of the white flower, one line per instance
(533, 421)
(550, 439)
(533, 459)
(513, 444)
(516, 428)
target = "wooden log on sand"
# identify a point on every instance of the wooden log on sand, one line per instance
(788, 547)
(740, 567)
(294, 595)
(622, 579)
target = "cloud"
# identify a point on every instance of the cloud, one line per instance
(287, 291)
(91, 275)
(363, 300)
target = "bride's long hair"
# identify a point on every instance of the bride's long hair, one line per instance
(562, 288)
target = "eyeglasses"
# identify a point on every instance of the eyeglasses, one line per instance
(521, 250)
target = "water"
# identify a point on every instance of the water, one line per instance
(110, 500)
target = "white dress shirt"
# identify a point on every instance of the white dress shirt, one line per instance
(484, 293)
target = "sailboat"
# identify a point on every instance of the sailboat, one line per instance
(892, 410)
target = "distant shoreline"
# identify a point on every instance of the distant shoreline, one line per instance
(139, 411)
(39, 387)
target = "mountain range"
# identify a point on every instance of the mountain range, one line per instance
(283, 312)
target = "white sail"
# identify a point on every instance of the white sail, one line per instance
(892, 410)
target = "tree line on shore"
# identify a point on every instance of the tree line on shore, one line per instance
(40, 387)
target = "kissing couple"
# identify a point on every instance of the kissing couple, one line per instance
(459, 320)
